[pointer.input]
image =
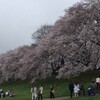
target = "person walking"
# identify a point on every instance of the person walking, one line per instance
(82, 90)
(52, 91)
(34, 93)
(76, 89)
(40, 93)
(71, 89)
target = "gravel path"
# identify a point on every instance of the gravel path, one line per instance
(58, 98)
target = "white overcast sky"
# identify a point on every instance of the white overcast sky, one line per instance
(20, 18)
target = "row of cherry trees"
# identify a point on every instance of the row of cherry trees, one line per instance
(65, 49)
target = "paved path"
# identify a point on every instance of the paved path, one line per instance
(58, 98)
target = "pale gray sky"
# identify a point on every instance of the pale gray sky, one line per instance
(20, 18)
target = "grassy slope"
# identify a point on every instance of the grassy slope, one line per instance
(22, 88)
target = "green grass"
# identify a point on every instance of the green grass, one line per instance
(22, 88)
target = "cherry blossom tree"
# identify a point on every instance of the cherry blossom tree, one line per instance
(64, 50)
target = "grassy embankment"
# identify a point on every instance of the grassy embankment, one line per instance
(22, 88)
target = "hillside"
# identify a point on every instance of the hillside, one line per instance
(71, 46)
(22, 88)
